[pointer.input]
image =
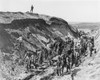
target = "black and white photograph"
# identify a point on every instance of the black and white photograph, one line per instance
(49, 39)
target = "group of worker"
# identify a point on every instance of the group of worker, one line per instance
(69, 53)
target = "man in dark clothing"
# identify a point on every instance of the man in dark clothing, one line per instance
(59, 66)
(92, 41)
(32, 9)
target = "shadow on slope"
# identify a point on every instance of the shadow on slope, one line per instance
(37, 28)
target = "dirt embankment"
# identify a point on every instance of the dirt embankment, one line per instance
(26, 32)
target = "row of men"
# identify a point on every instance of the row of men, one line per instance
(73, 53)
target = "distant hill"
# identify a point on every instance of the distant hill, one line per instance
(86, 25)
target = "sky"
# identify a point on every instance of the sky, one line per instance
(70, 10)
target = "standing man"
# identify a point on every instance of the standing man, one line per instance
(32, 9)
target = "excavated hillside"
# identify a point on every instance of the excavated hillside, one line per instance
(31, 31)
(35, 32)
